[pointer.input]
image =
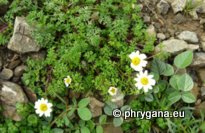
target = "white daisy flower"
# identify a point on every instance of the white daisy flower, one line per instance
(112, 91)
(67, 81)
(138, 60)
(43, 107)
(144, 81)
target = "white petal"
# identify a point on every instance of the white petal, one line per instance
(146, 72)
(152, 82)
(138, 87)
(150, 76)
(41, 114)
(66, 84)
(137, 52)
(47, 114)
(143, 56)
(136, 68)
(42, 100)
(46, 101)
(37, 104)
(145, 89)
(49, 105)
(37, 111)
(132, 55)
(143, 63)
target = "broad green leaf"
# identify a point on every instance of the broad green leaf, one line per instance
(109, 107)
(99, 129)
(173, 81)
(71, 112)
(188, 97)
(174, 97)
(202, 127)
(84, 102)
(84, 130)
(156, 89)
(66, 120)
(162, 84)
(102, 119)
(81, 123)
(57, 130)
(84, 114)
(117, 121)
(162, 68)
(77, 131)
(149, 97)
(184, 59)
(32, 119)
(185, 82)
(124, 108)
(158, 66)
(168, 71)
(90, 124)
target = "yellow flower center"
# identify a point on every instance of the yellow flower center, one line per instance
(68, 80)
(144, 81)
(43, 107)
(136, 61)
(113, 90)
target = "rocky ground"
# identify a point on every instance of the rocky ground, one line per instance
(176, 26)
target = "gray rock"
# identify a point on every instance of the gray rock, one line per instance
(109, 128)
(172, 46)
(193, 47)
(161, 36)
(10, 112)
(157, 26)
(37, 56)
(15, 79)
(6, 74)
(202, 21)
(146, 19)
(203, 45)
(19, 70)
(201, 6)
(163, 7)
(202, 36)
(194, 15)
(178, 19)
(201, 73)
(14, 64)
(199, 59)
(30, 94)
(171, 32)
(151, 31)
(96, 107)
(21, 41)
(11, 94)
(178, 5)
(188, 36)
(118, 99)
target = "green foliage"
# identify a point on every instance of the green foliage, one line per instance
(3, 2)
(191, 5)
(91, 47)
(90, 41)
(162, 68)
(117, 121)
(184, 59)
(84, 114)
